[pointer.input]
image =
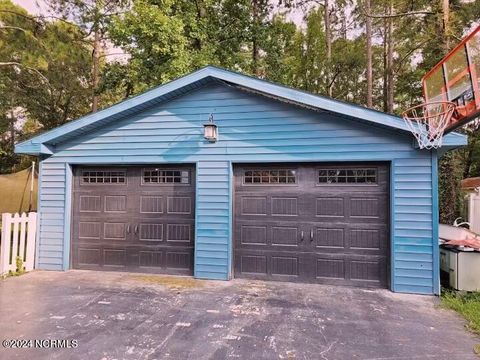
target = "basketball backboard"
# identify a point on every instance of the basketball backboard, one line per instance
(456, 79)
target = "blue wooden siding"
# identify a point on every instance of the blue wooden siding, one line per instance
(412, 225)
(212, 220)
(252, 128)
(53, 197)
(73, 129)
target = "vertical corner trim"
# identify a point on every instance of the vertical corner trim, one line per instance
(68, 216)
(230, 215)
(39, 213)
(435, 220)
(195, 242)
(392, 225)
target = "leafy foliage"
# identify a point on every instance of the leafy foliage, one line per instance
(66, 95)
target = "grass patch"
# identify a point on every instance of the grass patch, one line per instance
(466, 304)
(171, 282)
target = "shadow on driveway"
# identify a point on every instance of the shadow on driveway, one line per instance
(131, 316)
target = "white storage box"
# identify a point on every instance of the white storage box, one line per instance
(460, 269)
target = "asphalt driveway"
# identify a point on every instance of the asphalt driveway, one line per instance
(131, 316)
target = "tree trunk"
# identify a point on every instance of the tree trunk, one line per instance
(255, 47)
(446, 24)
(368, 26)
(328, 45)
(344, 24)
(388, 83)
(385, 66)
(201, 12)
(12, 130)
(97, 48)
(328, 32)
(390, 80)
(468, 162)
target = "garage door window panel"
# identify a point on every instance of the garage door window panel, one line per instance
(347, 176)
(270, 177)
(155, 176)
(106, 177)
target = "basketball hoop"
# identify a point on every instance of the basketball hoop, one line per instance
(428, 121)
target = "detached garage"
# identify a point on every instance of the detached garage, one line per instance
(220, 175)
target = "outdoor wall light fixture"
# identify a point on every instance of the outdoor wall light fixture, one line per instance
(210, 131)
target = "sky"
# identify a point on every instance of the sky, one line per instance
(32, 6)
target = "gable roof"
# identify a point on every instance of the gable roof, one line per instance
(41, 144)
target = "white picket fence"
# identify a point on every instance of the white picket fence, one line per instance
(474, 211)
(17, 241)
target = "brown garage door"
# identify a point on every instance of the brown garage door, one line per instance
(313, 223)
(134, 219)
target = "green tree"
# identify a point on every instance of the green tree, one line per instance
(42, 76)
(167, 39)
(154, 36)
(282, 51)
(93, 18)
(67, 94)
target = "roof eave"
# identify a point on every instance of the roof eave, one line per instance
(30, 148)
